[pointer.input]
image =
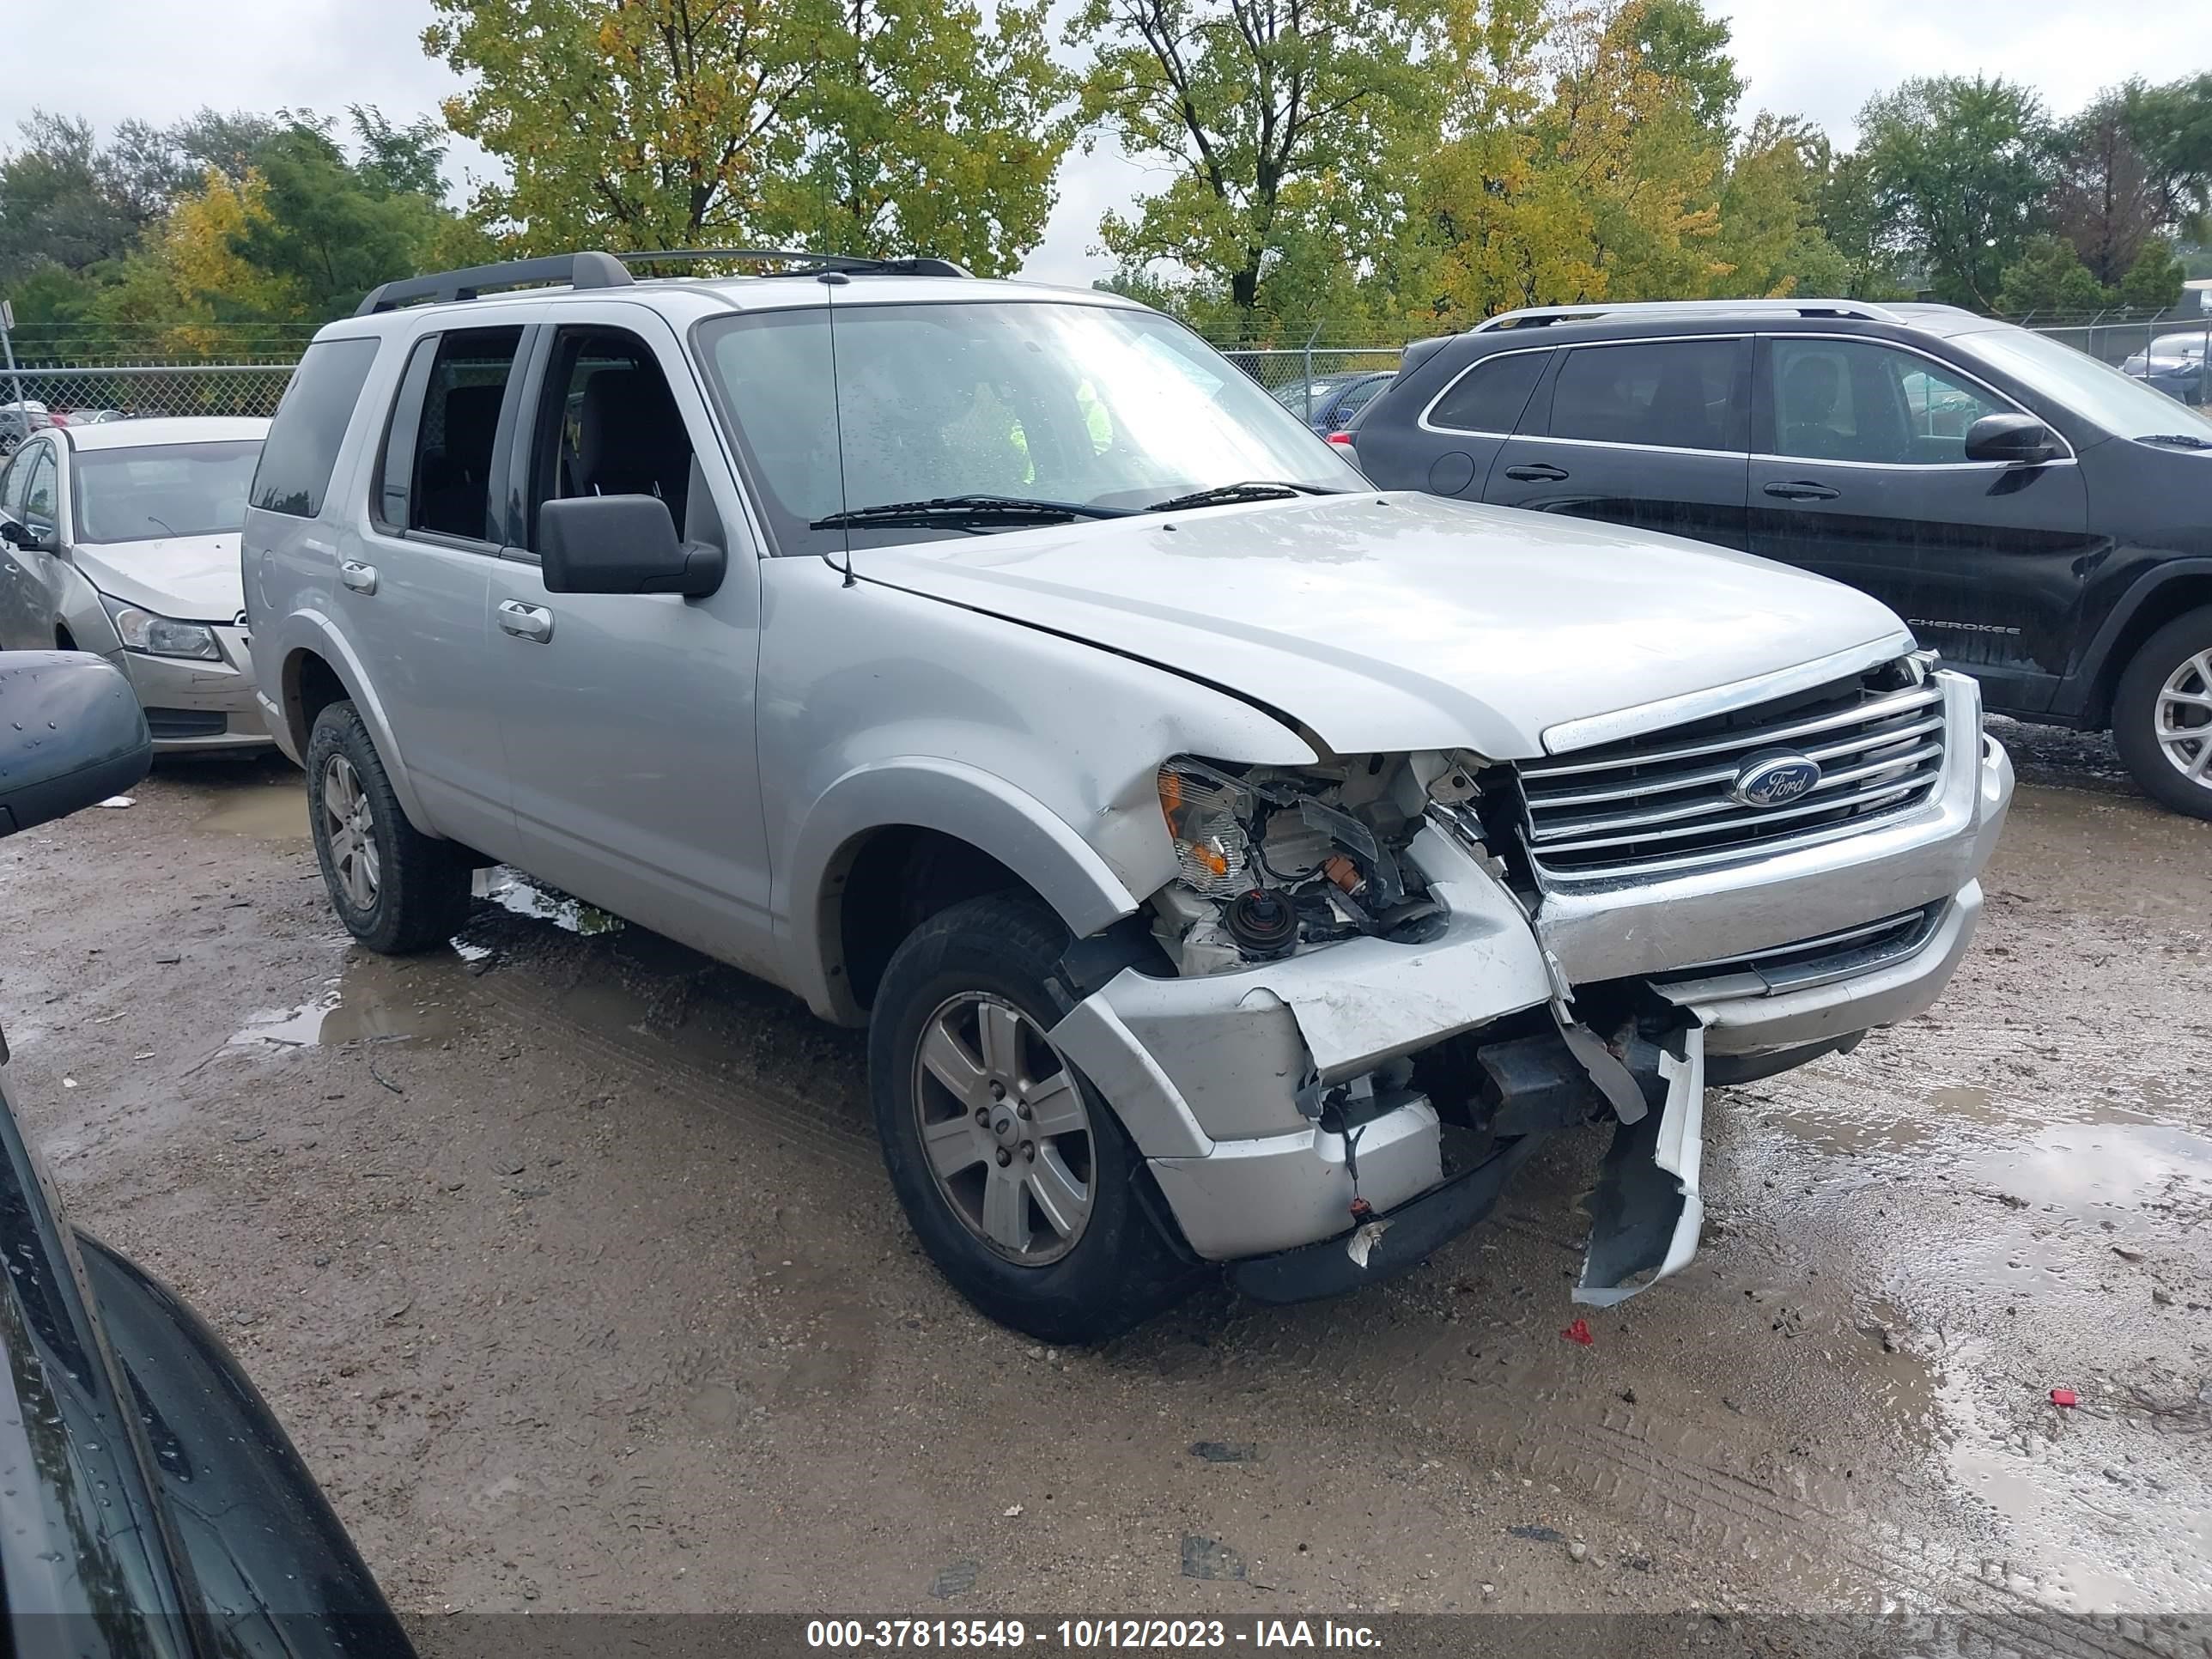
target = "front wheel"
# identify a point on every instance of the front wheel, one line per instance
(396, 889)
(2162, 714)
(1014, 1173)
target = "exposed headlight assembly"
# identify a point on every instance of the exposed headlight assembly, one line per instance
(1271, 858)
(160, 636)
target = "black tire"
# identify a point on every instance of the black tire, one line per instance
(419, 891)
(2136, 713)
(1121, 1268)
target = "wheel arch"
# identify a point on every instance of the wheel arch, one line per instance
(2169, 591)
(889, 845)
(314, 669)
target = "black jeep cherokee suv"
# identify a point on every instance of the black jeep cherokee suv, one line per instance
(2042, 520)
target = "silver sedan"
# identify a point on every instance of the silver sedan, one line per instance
(122, 538)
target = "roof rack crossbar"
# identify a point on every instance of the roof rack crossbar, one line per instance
(1543, 316)
(911, 265)
(586, 269)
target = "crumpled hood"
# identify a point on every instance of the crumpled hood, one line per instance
(192, 578)
(1403, 621)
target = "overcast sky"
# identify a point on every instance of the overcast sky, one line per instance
(107, 59)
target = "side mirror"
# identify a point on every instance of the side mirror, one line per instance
(21, 535)
(2015, 440)
(75, 735)
(623, 544)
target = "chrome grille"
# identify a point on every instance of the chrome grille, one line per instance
(1661, 803)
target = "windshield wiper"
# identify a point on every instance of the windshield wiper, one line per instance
(1253, 490)
(2178, 440)
(961, 510)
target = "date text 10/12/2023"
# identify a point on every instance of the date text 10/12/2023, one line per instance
(1085, 1635)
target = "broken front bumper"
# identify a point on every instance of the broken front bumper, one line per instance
(1215, 1076)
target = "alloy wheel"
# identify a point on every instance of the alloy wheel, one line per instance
(1004, 1128)
(2184, 714)
(350, 824)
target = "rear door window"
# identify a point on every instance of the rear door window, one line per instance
(1668, 394)
(1489, 397)
(310, 426)
(438, 450)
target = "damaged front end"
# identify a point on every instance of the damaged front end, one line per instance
(1338, 1035)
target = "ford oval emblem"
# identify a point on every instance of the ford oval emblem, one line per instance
(1772, 779)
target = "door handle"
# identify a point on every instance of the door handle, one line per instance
(1537, 472)
(362, 578)
(1803, 490)
(533, 622)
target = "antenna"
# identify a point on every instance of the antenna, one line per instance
(831, 280)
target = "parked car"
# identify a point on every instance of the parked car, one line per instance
(2173, 364)
(18, 420)
(121, 538)
(2033, 514)
(1327, 403)
(90, 417)
(1230, 866)
(152, 1503)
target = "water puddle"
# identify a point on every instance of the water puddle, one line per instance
(370, 1000)
(2089, 1169)
(270, 811)
(517, 893)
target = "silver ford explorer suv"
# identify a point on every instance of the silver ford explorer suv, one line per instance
(1231, 864)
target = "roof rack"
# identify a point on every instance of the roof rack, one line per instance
(577, 270)
(1543, 316)
(594, 270)
(857, 264)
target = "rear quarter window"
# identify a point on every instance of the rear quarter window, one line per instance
(310, 425)
(1489, 396)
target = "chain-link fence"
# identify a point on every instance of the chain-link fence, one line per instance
(2173, 353)
(37, 397)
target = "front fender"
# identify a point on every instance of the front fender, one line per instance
(278, 649)
(927, 791)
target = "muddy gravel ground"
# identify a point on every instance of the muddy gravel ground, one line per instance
(567, 1258)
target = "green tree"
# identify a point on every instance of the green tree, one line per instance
(331, 229)
(1966, 166)
(1852, 216)
(2171, 126)
(933, 131)
(1278, 120)
(2154, 281)
(861, 126)
(59, 201)
(2049, 278)
(1770, 242)
(631, 124)
(1681, 44)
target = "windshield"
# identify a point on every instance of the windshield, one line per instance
(1095, 406)
(2097, 393)
(138, 494)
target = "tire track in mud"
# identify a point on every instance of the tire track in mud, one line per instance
(1620, 1464)
(851, 1145)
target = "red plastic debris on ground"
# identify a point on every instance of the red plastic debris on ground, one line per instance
(1580, 1332)
(2065, 1397)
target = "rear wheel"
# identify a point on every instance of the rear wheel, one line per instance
(396, 889)
(2162, 714)
(1014, 1172)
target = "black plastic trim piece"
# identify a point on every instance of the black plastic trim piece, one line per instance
(1415, 1231)
(579, 270)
